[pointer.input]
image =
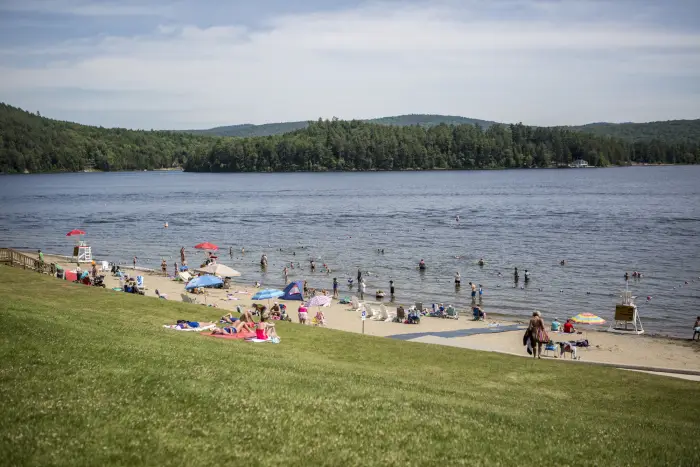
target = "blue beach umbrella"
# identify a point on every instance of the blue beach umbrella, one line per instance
(204, 281)
(267, 294)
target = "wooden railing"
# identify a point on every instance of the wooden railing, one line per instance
(20, 260)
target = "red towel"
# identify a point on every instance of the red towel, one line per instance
(239, 335)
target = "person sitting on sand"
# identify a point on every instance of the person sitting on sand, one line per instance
(320, 319)
(569, 327)
(696, 328)
(264, 329)
(303, 314)
(556, 325)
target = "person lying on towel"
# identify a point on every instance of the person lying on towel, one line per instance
(182, 324)
(240, 326)
(229, 318)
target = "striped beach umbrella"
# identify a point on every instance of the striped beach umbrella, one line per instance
(319, 300)
(587, 318)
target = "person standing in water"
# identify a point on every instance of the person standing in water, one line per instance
(286, 278)
(135, 258)
(335, 287)
(391, 290)
(230, 252)
(458, 279)
(527, 276)
(182, 256)
(473, 291)
(359, 276)
(515, 275)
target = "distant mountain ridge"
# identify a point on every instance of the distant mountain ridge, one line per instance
(269, 129)
(687, 131)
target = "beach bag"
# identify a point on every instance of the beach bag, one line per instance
(542, 336)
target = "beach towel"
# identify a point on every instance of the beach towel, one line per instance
(273, 340)
(199, 329)
(238, 335)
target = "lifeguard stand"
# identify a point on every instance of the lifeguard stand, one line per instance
(82, 252)
(627, 316)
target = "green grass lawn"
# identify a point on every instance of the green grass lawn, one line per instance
(90, 377)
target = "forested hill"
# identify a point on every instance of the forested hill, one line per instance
(687, 131)
(357, 145)
(270, 129)
(29, 142)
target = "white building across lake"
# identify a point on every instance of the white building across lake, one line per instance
(579, 164)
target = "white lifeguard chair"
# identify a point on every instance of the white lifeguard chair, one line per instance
(82, 252)
(626, 316)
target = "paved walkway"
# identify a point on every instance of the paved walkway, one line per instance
(458, 332)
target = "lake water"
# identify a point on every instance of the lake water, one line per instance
(602, 221)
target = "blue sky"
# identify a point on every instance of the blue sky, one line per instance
(198, 64)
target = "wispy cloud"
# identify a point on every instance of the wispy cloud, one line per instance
(541, 62)
(87, 8)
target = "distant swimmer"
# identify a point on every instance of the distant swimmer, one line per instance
(165, 225)
(562, 262)
(421, 265)
(627, 276)
(481, 262)
(457, 218)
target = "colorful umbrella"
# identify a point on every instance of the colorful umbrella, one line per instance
(587, 318)
(319, 300)
(75, 232)
(204, 281)
(206, 246)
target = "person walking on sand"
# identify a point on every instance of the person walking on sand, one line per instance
(362, 289)
(41, 257)
(696, 328)
(175, 270)
(164, 267)
(538, 334)
(335, 287)
(286, 277)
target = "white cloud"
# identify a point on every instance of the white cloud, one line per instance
(549, 67)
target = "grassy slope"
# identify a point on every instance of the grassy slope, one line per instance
(89, 377)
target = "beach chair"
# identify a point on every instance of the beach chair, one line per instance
(355, 303)
(451, 313)
(104, 266)
(384, 313)
(551, 347)
(139, 283)
(400, 314)
(369, 312)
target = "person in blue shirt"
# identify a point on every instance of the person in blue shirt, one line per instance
(556, 325)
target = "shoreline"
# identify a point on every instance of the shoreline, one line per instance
(650, 351)
(463, 311)
(436, 169)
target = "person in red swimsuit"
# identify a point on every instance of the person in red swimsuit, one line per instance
(265, 330)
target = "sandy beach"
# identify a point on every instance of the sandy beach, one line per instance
(609, 348)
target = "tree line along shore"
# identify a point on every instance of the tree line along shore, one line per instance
(30, 143)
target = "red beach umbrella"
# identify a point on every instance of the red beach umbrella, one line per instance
(75, 232)
(206, 246)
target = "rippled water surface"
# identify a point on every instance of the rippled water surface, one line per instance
(602, 221)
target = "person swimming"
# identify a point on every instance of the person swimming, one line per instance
(481, 262)
(421, 264)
